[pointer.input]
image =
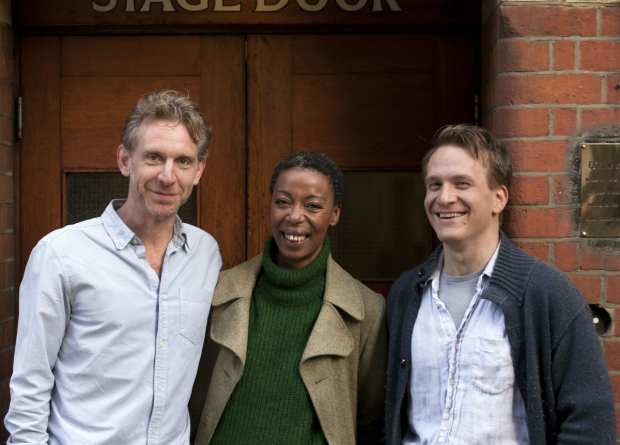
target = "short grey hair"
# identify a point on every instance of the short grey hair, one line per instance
(168, 105)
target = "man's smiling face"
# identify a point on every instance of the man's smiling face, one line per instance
(459, 203)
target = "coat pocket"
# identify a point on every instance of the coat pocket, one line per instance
(195, 305)
(492, 371)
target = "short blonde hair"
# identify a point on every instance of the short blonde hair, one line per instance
(168, 105)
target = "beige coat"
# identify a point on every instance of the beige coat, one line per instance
(343, 365)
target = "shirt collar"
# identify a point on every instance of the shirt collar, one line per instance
(488, 270)
(122, 235)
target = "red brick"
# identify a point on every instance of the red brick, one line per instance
(6, 364)
(564, 122)
(524, 21)
(564, 55)
(540, 223)
(9, 165)
(600, 122)
(539, 250)
(6, 245)
(549, 89)
(613, 294)
(613, 89)
(589, 286)
(6, 128)
(10, 274)
(566, 189)
(7, 40)
(565, 254)
(518, 55)
(610, 22)
(7, 305)
(600, 255)
(6, 188)
(6, 69)
(600, 55)
(617, 323)
(540, 156)
(612, 355)
(615, 386)
(3, 283)
(521, 122)
(529, 190)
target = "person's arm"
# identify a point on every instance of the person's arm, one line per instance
(44, 311)
(372, 374)
(584, 399)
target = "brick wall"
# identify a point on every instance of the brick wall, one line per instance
(551, 80)
(7, 219)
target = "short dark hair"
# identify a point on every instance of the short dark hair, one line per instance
(481, 145)
(168, 105)
(319, 162)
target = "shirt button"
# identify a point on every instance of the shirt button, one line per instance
(161, 344)
(403, 362)
(134, 242)
(159, 387)
(153, 431)
(452, 382)
(456, 340)
(446, 423)
(438, 305)
(421, 273)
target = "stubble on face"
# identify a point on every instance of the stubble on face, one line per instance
(135, 190)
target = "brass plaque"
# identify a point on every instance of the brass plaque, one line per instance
(600, 190)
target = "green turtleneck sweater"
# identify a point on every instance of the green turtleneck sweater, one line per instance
(270, 404)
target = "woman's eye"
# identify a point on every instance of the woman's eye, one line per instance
(313, 206)
(280, 202)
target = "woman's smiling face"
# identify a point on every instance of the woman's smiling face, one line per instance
(302, 209)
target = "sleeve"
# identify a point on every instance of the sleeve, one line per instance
(44, 310)
(584, 400)
(372, 375)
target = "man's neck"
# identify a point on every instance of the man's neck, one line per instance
(468, 257)
(152, 230)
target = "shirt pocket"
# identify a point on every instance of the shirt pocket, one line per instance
(195, 305)
(491, 370)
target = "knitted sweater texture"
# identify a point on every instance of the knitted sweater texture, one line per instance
(270, 404)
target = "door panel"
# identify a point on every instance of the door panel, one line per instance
(372, 103)
(94, 110)
(80, 90)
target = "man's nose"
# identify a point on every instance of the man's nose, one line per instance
(447, 195)
(166, 175)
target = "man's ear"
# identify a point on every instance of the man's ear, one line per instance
(501, 199)
(123, 158)
(199, 170)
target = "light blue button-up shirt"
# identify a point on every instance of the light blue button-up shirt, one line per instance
(106, 351)
(462, 387)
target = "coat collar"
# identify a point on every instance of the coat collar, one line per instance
(508, 282)
(329, 335)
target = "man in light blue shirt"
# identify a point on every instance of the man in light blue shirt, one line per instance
(113, 310)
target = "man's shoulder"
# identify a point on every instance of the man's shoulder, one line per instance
(69, 234)
(198, 237)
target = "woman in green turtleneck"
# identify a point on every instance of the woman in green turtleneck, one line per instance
(296, 352)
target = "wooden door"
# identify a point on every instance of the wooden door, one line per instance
(77, 93)
(371, 102)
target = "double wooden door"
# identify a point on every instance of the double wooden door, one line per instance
(370, 101)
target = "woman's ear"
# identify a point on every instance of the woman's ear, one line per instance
(335, 215)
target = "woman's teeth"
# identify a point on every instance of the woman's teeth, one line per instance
(295, 238)
(450, 215)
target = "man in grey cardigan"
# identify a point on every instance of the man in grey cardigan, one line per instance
(488, 345)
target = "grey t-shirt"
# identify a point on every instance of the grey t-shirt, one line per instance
(457, 292)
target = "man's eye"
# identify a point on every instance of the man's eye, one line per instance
(184, 161)
(152, 158)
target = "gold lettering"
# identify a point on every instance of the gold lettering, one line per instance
(146, 7)
(204, 4)
(107, 8)
(261, 6)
